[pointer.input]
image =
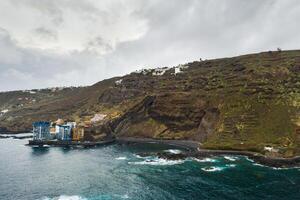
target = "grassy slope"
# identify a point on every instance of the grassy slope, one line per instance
(259, 106)
(258, 97)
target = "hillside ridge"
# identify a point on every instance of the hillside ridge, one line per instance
(248, 102)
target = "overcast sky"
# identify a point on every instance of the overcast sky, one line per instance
(46, 43)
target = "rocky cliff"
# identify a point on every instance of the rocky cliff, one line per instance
(249, 102)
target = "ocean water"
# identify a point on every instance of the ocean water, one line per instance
(118, 172)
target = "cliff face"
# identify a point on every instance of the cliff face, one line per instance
(249, 102)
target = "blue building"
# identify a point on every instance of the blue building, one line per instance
(41, 130)
(65, 132)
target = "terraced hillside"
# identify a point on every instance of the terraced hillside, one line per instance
(249, 102)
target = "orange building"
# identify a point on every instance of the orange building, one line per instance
(52, 132)
(77, 133)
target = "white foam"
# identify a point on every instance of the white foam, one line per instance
(121, 158)
(231, 165)
(250, 160)
(212, 169)
(204, 160)
(5, 111)
(158, 161)
(65, 197)
(173, 151)
(138, 156)
(257, 164)
(231, 158)
(276, 168)
(125, 196)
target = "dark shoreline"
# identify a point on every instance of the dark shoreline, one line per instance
(6, 132)
(195, 151)
(69, 143)
(186, 144)
(22, 135)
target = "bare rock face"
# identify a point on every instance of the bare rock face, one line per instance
(169, 116)
(178, 111)
(98, 132)
(208, 124)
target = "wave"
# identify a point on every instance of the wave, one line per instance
(204, 160)
(230, 158)
(217, 168)
(125, 196)
(65, 197)
(250, 160)
(76, 197)
(157, 161)
(121, 158)
(276, 168)
(257, 164)
(231, 165)
(212, 169)
(173, 151)
(137, 156)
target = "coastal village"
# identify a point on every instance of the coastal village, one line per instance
(62, 132)
(59, 130)
(66, 133)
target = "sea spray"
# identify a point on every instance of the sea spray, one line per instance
(157, 161)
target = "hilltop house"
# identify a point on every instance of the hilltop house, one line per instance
(41, 130)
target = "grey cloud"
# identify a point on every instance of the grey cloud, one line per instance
(46, 33)
(29, 68)
(46, 7)
(176, 32)
(210, 29)
(9, 54)
(98, 44)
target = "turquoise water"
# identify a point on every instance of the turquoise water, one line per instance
(117, 172)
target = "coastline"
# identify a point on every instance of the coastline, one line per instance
(186, 144)
(8, 132)
(16, 136)
(69, 143)
(195, 151)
